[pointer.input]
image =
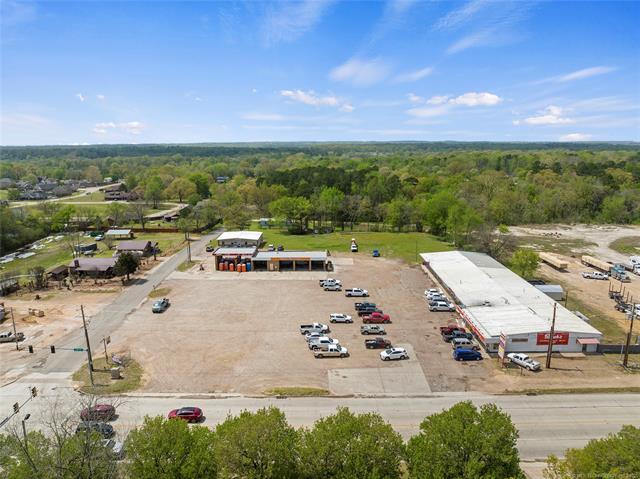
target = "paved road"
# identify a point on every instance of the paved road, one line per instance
(111, 316)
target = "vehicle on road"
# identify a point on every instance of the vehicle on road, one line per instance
(332, 287)
(393, 354)
(314, 328)
(330, 281)
(340, 318)
(323, 343)
(466, 355)
(441, 306)
(524, 361)
(376, 318)
(375, 253)
(102, 428)
(464, 343)
(99, 412)
(334, 351)
(115, 448)
(356, 292)
(160, 306)
(9, 337)
(189, 414)
(364, 306)
(594, 275)
(367, 329)
(377, 343)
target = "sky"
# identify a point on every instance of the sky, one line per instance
(185, 72)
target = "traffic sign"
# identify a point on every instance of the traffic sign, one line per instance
(79, 349)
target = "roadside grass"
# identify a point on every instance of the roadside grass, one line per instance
(564, 246)
(296, 391)
(186, 265)
(627, 245)
(159, 292)
(406, 246)
(168, 243)
(542, 391)
(4, 194)
(104, 385)
(94, 196)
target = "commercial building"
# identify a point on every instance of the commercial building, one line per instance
(492, 300)
(290, 261)
(234, 254)
(240, 238)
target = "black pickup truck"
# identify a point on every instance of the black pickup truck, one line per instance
(362, 306)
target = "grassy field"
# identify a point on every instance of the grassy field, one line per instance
(398, 245)
(628, 245)
(4, 194)
(95, 196)
(296, 392)
(104, 385)
(568, 247)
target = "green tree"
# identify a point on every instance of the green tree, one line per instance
(126, 264)
(154, 190)
(437, 211)
(294, 210)
(167, 449)
(461, 221)
(139, 211)
(330, 202)
(61, 218)
(117, 211)
(616, 456)
(465, 443)
(180, 188)
(524, 261)
(260, 445)
(399, 213)
(346, 445)
(202, 184)
(92, 174)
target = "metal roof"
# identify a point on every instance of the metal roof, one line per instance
(291, 255)
(242, 235)
(232, 251)
(117, 232)
(133, 245)
(549, 288)
(93, 264)
(497, 300)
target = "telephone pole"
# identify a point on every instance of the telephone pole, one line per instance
(626, 349)
(188, 235)
(15, 333)
(86, 337)
(553, 327)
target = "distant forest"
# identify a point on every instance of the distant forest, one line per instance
(449, 189)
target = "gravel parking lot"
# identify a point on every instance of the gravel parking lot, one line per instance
(238, 333)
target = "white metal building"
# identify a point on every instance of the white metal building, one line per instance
(493, 300)
(240, 238)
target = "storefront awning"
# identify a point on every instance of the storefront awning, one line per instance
(588, 341)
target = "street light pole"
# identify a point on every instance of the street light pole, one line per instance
(553, 327)
(86, 337)
(629, 334)
(26, 444)
(15, 333)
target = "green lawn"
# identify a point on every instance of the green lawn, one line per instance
(627, 245)
(4, 194)
(95, 196)
(169, 243)
(55, 253)
(398, 245)
(104, 385)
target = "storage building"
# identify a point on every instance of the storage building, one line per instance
(240, 238)
(235, 255)
(290, 261)
(492, 300)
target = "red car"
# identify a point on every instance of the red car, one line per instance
(189, 414)
(376, 318)
(449, 328)
(99, 412)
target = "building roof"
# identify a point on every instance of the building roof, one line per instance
(549, 288)
(497, 300)
(133, 245)
(118, 232)
(232, 251)
(93, 264)
(58, 269)
(242, 235)
(290, 255)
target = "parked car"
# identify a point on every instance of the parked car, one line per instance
(102, 428)
(377, 343)
(464, 343)
(358, 292)
(376, 318)
(375, 253)
(98, 238)
(333, 287)
(441, 306)
(466, 355)
(363, 306)
(429, 291)
(354, 248)
(524, 361)
(160, 306)
(310, 336)
(393, 354)
(366, 312)
(330, 281)
(189, 414)
(367, 329)
(115, 448)
(99, 412)
(456, 334)
(314, 328)
(9, 337)
(340, 318)
(449, 328)
(595, 275)
(332, 351)
(280, 247)
(271, 248)
(431, 295)
(209, 248)
(322, 343)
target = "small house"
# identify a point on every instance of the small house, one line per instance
(119, 234)
(94, 267)
(58, 273)
(139, 247)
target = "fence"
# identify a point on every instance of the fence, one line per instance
(618, 348)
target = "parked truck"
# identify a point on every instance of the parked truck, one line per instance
(619, 272)
(596, 263)
(553, 260)
(314, 328)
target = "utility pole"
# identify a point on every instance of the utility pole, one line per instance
(553, 327)
(106, 341)
(626, 349)
(86, 337)
(188, 246)
(15, 333)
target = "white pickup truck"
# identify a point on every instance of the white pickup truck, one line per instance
(335, 351)
(595, 275)
(314, 328)
(356, 292)
(323, 342)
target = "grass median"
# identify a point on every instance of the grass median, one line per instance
(103, 384)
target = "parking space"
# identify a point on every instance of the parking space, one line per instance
(239, 333)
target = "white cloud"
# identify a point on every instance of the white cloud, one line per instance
(80, 97)
(437, 100)
(347, 108)
(361, 72)
(429, 111)
(255, 116)
(286, 21)
(476, 39)
(584, 73)
(441, 105)
(413, 98)
(575, 137)
(254, 90)
(310, 98)
(100, 97)
(132, 127)
(460, 15)
(476, 99)
(414, 76)
(551, 115)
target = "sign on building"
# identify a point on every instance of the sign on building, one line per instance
(558, 338)
(502, 347)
